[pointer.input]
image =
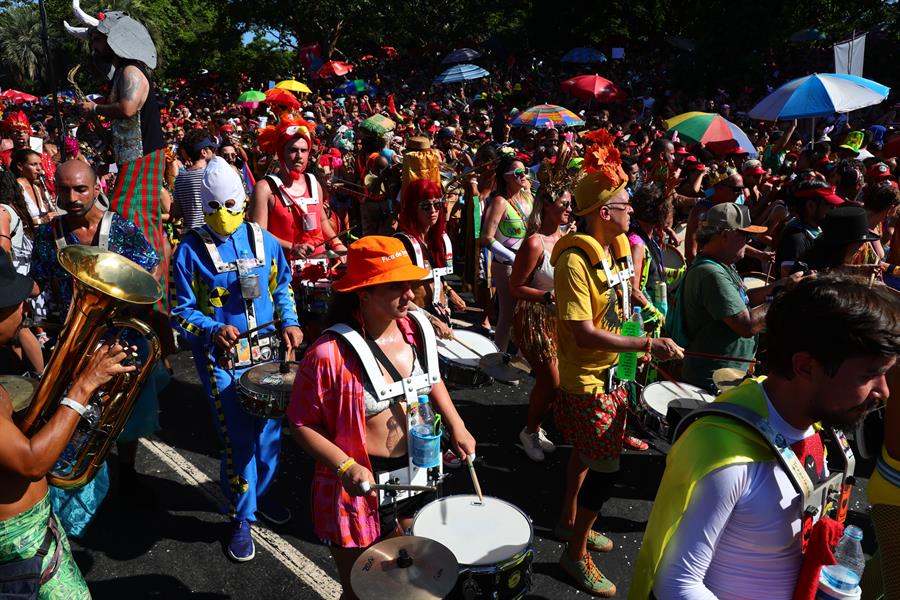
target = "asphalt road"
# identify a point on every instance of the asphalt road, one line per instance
(172, 548)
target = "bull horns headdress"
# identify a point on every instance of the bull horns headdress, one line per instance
(126, 37)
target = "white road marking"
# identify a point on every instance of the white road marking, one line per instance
(295, 561)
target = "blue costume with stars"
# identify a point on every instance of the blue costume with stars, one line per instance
(208, 297)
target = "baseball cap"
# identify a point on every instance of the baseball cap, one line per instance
(879, 171)
(691, 162)
(729, 215)
(377, 259)
(206, 142)
(815, 188)
(752, 167)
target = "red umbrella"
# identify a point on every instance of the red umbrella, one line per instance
(593, 87)
(282, 97)
(389, 51)
(333, 68)
(18, 97)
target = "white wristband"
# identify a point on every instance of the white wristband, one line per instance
(79, 408)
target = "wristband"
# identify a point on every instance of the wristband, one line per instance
(344, 467)
(77, 407)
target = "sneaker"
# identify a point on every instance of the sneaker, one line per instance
(546, 445)
(635, 443)
(240, 546)
(451, 460)
(272, 511)
(596, 541)
(587, 576)
(531, 444)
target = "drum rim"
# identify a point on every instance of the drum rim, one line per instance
(244, 385)
(474, 567)
(688, 386)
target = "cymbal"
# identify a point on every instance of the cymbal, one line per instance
(20, 390)
(503, 368)
(727, 378)
(409, 567)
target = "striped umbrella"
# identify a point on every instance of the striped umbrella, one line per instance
(547, 115)
(461, 55)
(584, 55)
(819, 95)
(458, 73)
(718, 134)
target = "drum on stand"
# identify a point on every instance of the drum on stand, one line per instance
(265, 390)
(492, 541)
(460, 357)
(658, 397)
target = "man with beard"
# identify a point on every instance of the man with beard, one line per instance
(726, 522)
(291, 205)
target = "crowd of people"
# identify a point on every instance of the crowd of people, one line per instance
(341, 237)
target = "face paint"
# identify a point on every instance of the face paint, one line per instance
(223, 221)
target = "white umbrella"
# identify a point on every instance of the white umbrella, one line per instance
(819, 95)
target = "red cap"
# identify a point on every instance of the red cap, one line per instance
(818, 189)
(681, 150)
(879, 171)
(691, 162)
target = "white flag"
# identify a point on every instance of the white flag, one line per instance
(848, 56)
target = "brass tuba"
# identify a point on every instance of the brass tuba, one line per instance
(103, 283)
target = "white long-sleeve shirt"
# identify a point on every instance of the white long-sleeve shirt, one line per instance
(739, 538)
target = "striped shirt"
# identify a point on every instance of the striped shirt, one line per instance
(187, 197)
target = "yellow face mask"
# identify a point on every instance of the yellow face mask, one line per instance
(223, 221)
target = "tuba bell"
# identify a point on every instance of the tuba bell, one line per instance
(103, 283)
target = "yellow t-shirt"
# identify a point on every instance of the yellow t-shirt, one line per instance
(582, 294)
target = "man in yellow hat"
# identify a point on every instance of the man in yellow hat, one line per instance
(592, 274)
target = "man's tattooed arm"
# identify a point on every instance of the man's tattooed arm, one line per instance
(132, 89)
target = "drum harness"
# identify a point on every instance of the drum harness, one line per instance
(371, 356)
(262, 347)
(437, 273)
(820, 497)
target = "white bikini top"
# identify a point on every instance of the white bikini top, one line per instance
(375, 406)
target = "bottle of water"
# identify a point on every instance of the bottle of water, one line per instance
(845, 575)
(425, 441)
(633, 327)
(248, 279)
(660, 298)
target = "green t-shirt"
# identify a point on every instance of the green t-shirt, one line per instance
(713, 291)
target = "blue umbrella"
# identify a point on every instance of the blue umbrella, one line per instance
(457, 73)
(461, 55)
(584, 55)
(357, 86)
(819, 95)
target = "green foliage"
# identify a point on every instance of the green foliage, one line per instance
(21, 52)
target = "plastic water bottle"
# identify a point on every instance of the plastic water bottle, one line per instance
(845, 575)
(633, 327)
(660, 297)
(248, 279)
(425, 441)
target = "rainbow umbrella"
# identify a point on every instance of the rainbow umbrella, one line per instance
(718, 134)
(547, 115)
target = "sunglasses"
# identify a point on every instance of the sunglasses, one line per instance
(565, 204)
(518, 172)
(435, 204)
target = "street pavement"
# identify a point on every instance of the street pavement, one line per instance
(169, 544)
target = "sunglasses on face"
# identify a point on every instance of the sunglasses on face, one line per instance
(427, 205)
(518, 172)
(565, 204)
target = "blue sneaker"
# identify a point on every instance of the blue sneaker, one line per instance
(240, 546)
(273, 511)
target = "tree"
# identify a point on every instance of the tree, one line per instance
(20, 43)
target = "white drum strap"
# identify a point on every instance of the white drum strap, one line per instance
(227, 267)
(312, 188)
(103, 242)
(407, 387)
(621, 278)
(437, 273)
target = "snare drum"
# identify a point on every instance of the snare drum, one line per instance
(672, 257)
(754, 281)
(315, 297)
(460, 356)
(657, 397)
(492, 541)
(265, 390)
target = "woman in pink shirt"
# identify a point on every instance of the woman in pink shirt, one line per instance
(339, 419)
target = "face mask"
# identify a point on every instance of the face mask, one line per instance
(739, 199)
(224, 222)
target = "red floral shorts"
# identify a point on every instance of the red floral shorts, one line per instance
(593, 423)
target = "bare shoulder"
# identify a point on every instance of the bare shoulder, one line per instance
(133, 84)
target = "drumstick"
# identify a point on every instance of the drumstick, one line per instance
(334, 237)
(396, 487)
(681, 388)
(720, 357)
(470, 461)
(258, 327)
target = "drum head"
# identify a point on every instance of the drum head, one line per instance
(477, 534)
(754, 281)
(267, 378)
(466, 349)
(658, 396)
(20, 389)
(672, 257)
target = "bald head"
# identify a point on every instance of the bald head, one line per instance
(77, 187)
